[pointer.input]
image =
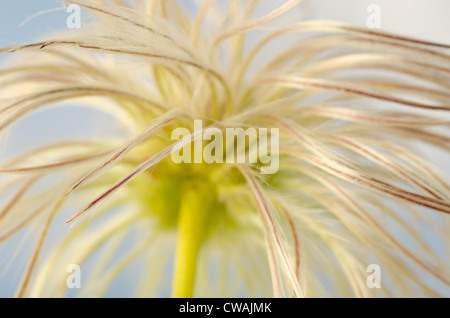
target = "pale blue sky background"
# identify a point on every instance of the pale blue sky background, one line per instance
(14, 12)
(420, 18)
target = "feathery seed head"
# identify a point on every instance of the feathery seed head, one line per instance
(325, 176)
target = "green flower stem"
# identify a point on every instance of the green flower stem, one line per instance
(192, 228)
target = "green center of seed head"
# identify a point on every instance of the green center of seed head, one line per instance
(191, 199)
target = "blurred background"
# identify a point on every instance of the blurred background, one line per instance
(424, 19)
(419, 18)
